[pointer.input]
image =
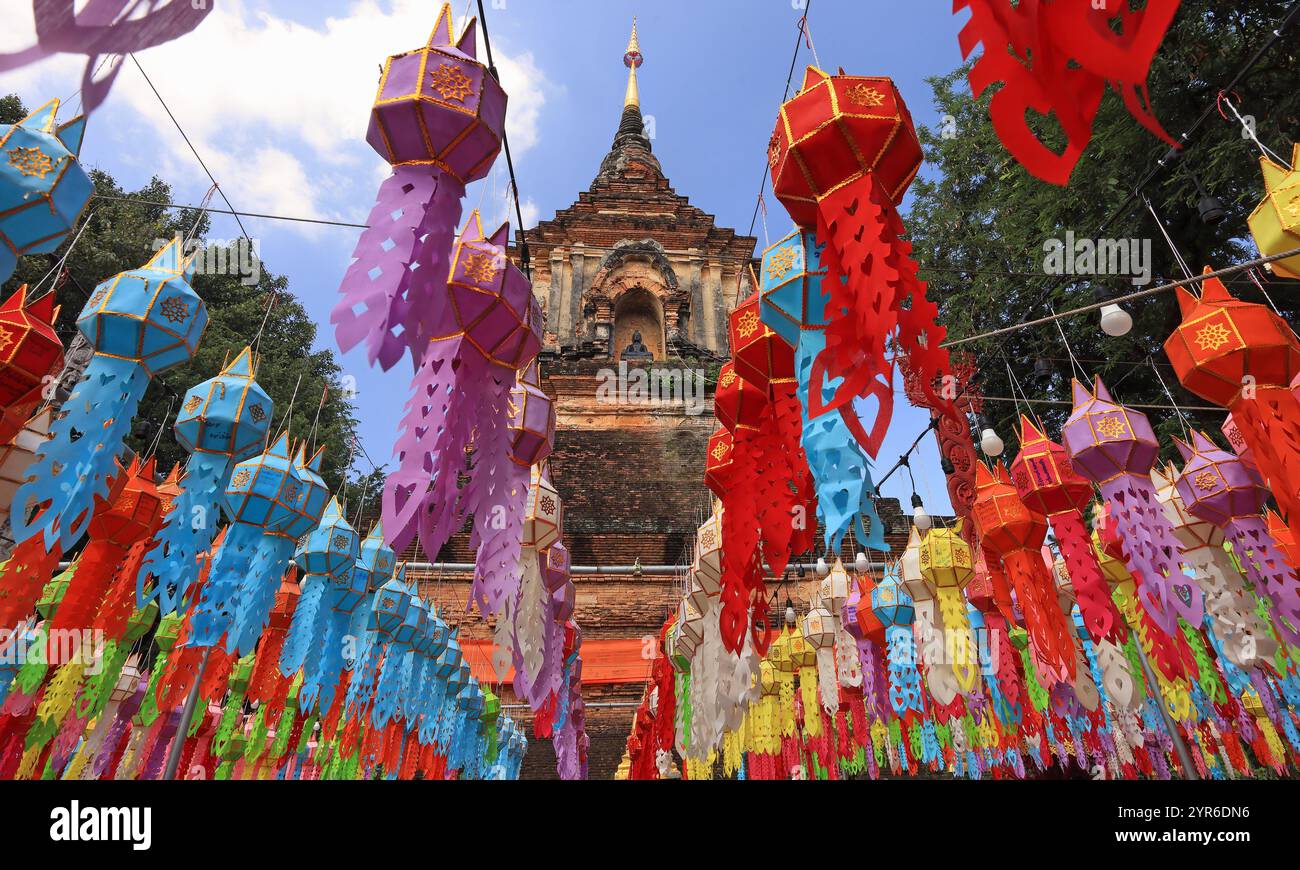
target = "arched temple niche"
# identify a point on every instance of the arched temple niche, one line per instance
(638, 312)
(635, 290)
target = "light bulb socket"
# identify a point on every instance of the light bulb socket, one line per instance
(946, 464)
(916, 501)
(1211, 210)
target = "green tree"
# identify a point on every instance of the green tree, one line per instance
(122, 229)
(979, 221)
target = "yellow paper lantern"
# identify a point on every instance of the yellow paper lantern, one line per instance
(1275, 222)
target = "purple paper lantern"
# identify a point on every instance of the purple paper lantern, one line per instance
(489, 328)
(1116, 448)
(1220, 487)
(438, 119)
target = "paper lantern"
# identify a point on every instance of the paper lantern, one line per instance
(737, 402)
(130, 513)
(222, 421)
(691, 621)
(31, 356)
(1275, 222)
(43, 189)
(1048, 484)
(555, 572)
(947, 569)
(834, 589)
(261, 495)
(1244, 357)
(1116, 448)
(438, 119)
(488, 329)
(836, 445)
(1217, 486)
(1237, 441)
(707, 566)
(1244, 638)
(819, 627)
(1013, 533)
(532, 418)
(843, 153)
(140, 323)
(893, 607)
(543, 512)
(780, 488)
(266, 683)
(19, 454)
(718, 464)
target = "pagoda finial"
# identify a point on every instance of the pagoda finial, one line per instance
(632, 60)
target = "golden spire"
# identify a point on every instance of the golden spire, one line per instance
(632, 60)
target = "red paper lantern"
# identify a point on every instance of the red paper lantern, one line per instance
(30, 355)
(1011, 531)
(843, 153)
(737, 402)
(1047, 483)
(1244, 356)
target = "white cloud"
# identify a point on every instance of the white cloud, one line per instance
(277, 108)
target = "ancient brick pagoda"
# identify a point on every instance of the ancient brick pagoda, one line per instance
(630, 273)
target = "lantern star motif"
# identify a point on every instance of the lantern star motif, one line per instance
(748, 324)
(193, 404)
(780, 262)
(480, 268)
(451, 83)
(728, 378)
(31, 161)
(1213, 336)
(774, 150)
(719, 450)
(175, 310)
(547, 504)
(6, 339)
(1112, 427)
(257, 412)
(1206, 480)
(864, 95)
(240, 479)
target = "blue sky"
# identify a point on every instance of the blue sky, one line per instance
(276, 96)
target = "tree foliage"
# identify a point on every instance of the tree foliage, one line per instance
(979, 221)
(121, 232)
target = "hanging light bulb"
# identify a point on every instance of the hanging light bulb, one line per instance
(920, 518)
(822, 568)
(789, 612)
(1115, 321)
(860, 563)
(990, 443)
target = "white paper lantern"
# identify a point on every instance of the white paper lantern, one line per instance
(708, 554)
(819, 627)
(835, 587)
(691, 620)
(128, 681)
(542, 512)
(17, 456)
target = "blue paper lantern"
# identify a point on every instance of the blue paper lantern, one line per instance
(43, 189)
(222, 421)
(793, 305)
(150, 316)
(140, 323)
